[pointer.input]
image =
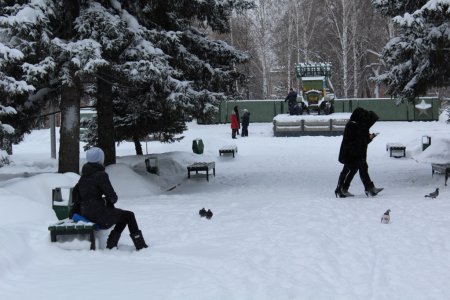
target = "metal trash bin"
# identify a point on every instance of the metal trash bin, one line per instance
(197, 146)
(152, 165)
(426, 142)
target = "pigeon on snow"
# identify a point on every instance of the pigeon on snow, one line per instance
(433, 194)
(385, 218)
(202, 212)
(209, 214)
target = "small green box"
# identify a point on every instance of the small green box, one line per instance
(62, 201)
(197, 146)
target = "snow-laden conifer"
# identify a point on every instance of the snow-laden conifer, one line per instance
(418, 57)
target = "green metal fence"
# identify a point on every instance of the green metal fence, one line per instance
(260, 110)
(424, 109)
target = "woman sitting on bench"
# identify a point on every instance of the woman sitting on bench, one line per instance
(97, 199)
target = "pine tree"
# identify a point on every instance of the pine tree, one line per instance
(163, 75)
(149, 61)
(418, 57)
(393, 8)
(77, 58)
(205, 66)
(137, 77)
(47, 61)
(23, 35)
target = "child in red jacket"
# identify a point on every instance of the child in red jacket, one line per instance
(234, 122)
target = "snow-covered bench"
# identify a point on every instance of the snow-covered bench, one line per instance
(441, 168)
(202, 166)
(228, 149)
(70, 227)
(396, 150)
(61, 204)
(328, 125)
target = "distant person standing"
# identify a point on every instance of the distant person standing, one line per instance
(234, 122)
(236, 110)
(245, 122)
(291, 98)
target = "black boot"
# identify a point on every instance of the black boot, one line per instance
(338, 192)
(113, 239)
(346, 192)
(373, 191)
(138, 240)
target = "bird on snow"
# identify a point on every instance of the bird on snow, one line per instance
(209, 214)
(385, 218)
(433, 194)
(202, 212)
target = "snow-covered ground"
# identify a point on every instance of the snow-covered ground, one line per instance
(278, 232)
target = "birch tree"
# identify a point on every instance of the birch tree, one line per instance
(339, 13)
(262, 28)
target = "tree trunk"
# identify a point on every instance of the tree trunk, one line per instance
(105, 130)
(137, 145)
(69, 133)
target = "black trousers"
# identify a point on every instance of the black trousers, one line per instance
(244, 131)
(349, 171)
(127, 218)
(233, 133)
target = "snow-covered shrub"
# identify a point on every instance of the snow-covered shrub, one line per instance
(447, 113)
(4, 160)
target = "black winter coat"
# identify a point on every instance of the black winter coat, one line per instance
(291, 98)
(357, 137)
(245, 119)
(97, 196)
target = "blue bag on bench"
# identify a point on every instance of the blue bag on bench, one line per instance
(76, 218)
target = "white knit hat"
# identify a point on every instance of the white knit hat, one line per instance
(95, 155)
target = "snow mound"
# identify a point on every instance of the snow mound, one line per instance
(129, 184)
(437, 152)
(172, 172)
(18, 209)
(38, 188)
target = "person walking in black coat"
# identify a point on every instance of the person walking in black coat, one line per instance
(353, 153)
(245, 122)
(97, 198)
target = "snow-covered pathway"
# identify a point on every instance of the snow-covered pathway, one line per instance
(278, 232)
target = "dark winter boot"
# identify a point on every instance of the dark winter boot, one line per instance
(347, 193)
(338, 192)
(113, 239)
(373, 191)
(138, 240)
